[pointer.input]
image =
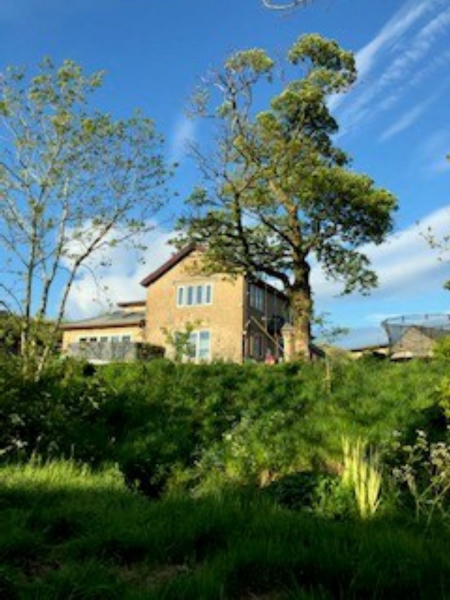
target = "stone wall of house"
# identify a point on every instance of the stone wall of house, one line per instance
(414, 341)
(223, 318)
(74, 336)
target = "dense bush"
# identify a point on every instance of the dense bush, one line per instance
(208, 425)
(65, 414)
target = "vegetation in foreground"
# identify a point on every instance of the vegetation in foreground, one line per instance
(178, 481)
(70, 533)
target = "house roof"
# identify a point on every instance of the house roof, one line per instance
(131, 303)
(179, 256)
(119, 318)
(169, 264)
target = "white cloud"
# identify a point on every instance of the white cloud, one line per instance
(118, 272)
(396, 52)
(405, 263)
(394, 29)
(386, 39)
(183, 134)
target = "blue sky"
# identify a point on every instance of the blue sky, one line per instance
(394, 122)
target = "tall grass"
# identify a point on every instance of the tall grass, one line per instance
(67, 532)
(361, 474)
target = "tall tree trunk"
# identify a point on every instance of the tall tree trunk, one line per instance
(300, 299)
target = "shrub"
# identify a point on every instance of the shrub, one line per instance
(362, 476)
(423, 476)
(63, 414)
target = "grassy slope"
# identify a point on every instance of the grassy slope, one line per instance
(68, 533)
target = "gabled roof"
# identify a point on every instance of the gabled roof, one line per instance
(169, 264)
(179, 256)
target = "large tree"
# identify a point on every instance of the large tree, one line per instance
(277, 192)
(73, 181)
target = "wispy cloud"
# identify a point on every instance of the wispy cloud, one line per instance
(396, 53)
(407, 119)
(390, 33)
(405, 263)
(386, 39)
(184, 133)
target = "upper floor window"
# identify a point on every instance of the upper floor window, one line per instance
(257, 297)
(194, 295)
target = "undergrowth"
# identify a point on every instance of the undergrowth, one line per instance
(67, 532)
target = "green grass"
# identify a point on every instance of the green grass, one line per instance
(66, 532)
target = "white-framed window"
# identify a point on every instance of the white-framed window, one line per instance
(199, 345)
(194, 295)
(126, 338)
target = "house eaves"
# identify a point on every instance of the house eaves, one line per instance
(169, 264)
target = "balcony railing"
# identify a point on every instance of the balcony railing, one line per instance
(104, 352)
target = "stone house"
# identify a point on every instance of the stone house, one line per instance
(414, 336)
(416, 342)
(112, 336)
(227, 318)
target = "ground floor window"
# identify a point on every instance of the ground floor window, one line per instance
(104, 339)
(257, 346)
(199, 345)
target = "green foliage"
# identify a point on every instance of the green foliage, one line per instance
(205, 426)
(423, 475)
(441, 349)
(73, 181)
(179, 341)
(49, 418)
(67, 532)
(246, 463)
(277, 190)
(361, 474)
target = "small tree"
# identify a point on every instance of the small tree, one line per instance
(73, 182)
(441, 244)
(277, 191)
